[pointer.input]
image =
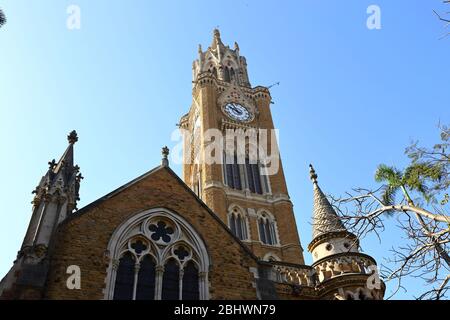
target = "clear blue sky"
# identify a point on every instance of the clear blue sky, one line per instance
(350, 98)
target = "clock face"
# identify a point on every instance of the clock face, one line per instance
(237, 112)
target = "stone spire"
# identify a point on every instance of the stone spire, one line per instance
(325, 219)
(55, 198)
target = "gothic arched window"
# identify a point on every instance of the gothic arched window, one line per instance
(171, 281)
(157, 255)
(267, 229)
(253, 177)
(232, 172)
(125, 278)
(226, 75)
(238, 223)
(190, 282)
(146, 279)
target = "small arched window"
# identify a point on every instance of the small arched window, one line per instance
(267, 229)
(157, 255)
(238, 223)
(226, 75)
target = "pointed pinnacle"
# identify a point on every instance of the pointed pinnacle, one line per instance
(72, 137)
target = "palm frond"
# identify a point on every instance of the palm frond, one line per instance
(388, 196)
(388, 174)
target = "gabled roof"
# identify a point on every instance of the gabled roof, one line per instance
(112, 194)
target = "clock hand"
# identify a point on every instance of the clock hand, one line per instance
(236, 110)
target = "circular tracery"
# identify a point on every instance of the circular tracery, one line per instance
(157, 257)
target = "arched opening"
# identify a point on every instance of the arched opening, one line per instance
(157, 255)
(171, 281)
(232, 172)
(191, 287)
(267, 229)
(146, 279)
(125, 278)
(238, 223)
(226, 75)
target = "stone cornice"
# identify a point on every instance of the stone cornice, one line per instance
(345, 254)
(206, 78)
(248, 196)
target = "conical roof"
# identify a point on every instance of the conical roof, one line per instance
(325, 218)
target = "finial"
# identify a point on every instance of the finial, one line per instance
(200, 51)
(217, 35)
(165, 154)
(236, 46)
(72, 137)
(312, 174)
(52, 164)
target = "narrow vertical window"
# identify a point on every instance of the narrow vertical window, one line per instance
(236, 174)
(239, 227)
(250, 180)
(267, 232)
(233, 224)
(244, 228)
(253, 177)
(262, 234)
(233, 174)
(190, 282)
(230, 180)
(146, 280)
(171, 280)
(226, 74)
(125, 278)
(257, 178)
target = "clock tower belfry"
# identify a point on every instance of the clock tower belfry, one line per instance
(228, 137)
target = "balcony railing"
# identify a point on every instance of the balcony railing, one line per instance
(293, 274)
(344, 263)
(324, 269)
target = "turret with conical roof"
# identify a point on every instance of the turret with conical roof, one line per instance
(329, 233)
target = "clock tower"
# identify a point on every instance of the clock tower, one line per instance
(231, 157)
